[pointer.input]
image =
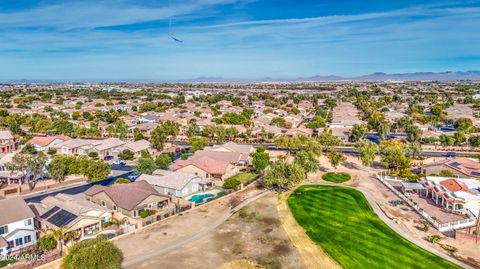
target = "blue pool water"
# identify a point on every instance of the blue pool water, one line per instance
(200, 198)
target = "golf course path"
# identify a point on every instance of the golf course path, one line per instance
(312, 254)
(394, 227)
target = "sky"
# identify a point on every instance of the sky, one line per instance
(123, 40)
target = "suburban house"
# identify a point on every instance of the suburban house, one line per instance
(230, 151)
(344, 115)
(42, 143)
(299, 131)
(150, 118)
(175, 183)
(103, 147)
(17, 229)
(460, 195)
(80, 217)
(7, 142)
(460, 167)
(205, 167)
(137, 146)
(128, 199)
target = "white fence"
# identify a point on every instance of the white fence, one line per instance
(442, 227)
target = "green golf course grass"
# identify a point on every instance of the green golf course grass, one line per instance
(343, 223)
(336, 177)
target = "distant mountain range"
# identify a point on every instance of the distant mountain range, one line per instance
(379, 76)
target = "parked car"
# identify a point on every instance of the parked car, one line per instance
(107, 158)
(133, 176)
(451, 154)
(120, 162)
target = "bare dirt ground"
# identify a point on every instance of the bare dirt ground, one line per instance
(255, 234)
(312, 255)
(404, 216)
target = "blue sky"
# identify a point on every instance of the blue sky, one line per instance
(122, 40)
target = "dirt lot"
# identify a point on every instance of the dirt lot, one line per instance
(254, 233)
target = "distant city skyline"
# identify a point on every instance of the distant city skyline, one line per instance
(245, 39)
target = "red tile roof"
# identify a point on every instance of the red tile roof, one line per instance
(43, 141)
(453, 185)
(205, 163)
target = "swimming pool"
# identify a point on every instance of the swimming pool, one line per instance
(200, 198)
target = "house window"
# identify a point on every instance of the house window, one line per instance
(3, 229)
(114, 207)
(28, 222)
(102, 203)
(18, 241)
(10, 244)
(135, 213)
(27, 239)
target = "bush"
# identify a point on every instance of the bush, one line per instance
(126, 155)
(47, 243)
(144, 213)
(93, 155)
(231, 183)
(122, 181)
(93, 253)
(336, 177)
(433, 239)
(449, 248)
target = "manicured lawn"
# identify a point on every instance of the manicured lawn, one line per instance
(342, 222)
(244, 177)
(4, 263)
(336, 177)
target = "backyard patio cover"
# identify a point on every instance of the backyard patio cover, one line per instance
(412, 186)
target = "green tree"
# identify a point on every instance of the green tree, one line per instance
(260, 159)
(137, 135)
(97, 170)
(415, 149)
(57, 170)
(316, 122)
(367, 150)
(126, 154)
(283, 175)
(465, 125)
(335, 158)
(93, 253)
(394, 154)
(358, 132)
(47, 243)
(30, 166)
(413, 133)
(307, 160)
(163, 160)
(145, 166)
(231, 183)
(197, 143)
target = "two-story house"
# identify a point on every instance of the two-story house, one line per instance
(17, 229)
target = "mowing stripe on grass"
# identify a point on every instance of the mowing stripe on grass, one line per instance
(343, 223)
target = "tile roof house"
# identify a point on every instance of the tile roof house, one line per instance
(460, 195)
(205, 167)
(42, 143)
(17, 230)
(128, 199)
(138, 146)
(174, 183)
(461, 167)
(82, 217)
(7, 142)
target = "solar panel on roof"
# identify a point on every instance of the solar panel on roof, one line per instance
(50, 212)
(455, 164)
(62, 218)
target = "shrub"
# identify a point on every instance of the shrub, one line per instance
(93, 155)
(126, 155)
(433, 239)
(449, 248)
(336, 177)
(426, 227)
(93, 253)
(122, 181)
(47, 243)
(231, 183)
(144, 213)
